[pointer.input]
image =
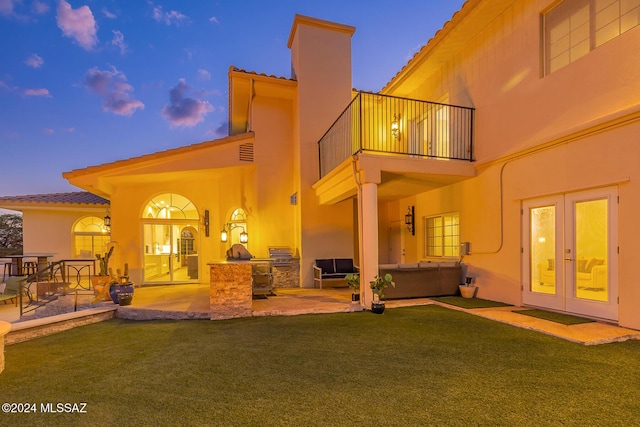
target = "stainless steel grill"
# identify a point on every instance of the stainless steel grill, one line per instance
(281, 256)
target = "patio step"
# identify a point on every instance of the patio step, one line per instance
(36, 328)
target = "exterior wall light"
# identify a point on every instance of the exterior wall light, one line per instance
(395, 126)
(244, 237)
(107, 220)
(224, 236)
(409, 220)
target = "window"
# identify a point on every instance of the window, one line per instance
(573, 28)
(442, 235)
(237, 226)
(170, 206)
(90, 237)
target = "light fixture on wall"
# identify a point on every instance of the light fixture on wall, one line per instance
(409, 220)
(224, 236)
(206, 222)
(244, 237)
(107, 220)
(395, 126)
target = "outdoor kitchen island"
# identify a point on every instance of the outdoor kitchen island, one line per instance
(232, 285)
(230, 289)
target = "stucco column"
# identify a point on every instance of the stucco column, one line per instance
(5, 328)
(368, 214)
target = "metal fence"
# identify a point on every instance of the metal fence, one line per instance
(397, 126)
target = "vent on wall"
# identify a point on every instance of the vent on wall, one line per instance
(246, 153)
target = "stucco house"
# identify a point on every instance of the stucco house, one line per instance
(510, 140)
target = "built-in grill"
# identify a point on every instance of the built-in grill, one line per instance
(280, 256)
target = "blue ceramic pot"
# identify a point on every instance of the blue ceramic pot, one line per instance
(118, 292)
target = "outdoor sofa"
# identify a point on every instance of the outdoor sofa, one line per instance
(334, 270)
(421, 280)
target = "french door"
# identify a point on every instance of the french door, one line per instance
(170, 252)
(570, 253)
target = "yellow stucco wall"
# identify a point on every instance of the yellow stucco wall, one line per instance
(50, 230)
(321, 62)
(584, 119)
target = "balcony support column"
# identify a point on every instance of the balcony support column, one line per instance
(368, 238)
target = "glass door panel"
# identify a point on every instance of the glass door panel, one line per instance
(542, 275)
(543, 250)
(591, 250)
(157, 253)
(590, 253)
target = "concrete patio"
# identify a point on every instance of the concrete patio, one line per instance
(192, 302)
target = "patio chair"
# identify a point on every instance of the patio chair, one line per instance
(12, 289)
(7, 271)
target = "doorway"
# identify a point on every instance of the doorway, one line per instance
(396, 243)
(570, 253)
(170, 240)
(170, 253)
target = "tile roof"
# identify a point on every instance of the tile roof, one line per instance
(242, 70)
(75, 198)
(158, 155)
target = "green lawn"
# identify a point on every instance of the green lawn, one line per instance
(411, 366)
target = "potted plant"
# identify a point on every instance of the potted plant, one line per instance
(353, 281)
(103, 279)
(378, 285)
(121, 289)
(468, 290)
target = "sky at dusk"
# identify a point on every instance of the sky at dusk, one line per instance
(86, 82)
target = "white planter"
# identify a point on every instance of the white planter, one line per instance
(467, 291)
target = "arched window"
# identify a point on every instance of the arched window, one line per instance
(238, 226)
(90, 237)
(170, 206)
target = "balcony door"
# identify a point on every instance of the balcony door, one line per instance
(570, 253)
(429, 131)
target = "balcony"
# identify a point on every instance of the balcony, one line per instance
(391, 126)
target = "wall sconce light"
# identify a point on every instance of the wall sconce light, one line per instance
(206, 222)
(107, 220)
(395, 126)
(224, 236)
(409, 220)
(244, 237)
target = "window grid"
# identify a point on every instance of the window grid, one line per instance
(575, 27)
(442, 235)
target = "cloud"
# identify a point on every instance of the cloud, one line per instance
(172, 17)
(204, 74)
(214, 20)
(118, 40)
(6, 6)
(48, 131)
(112, 87)
(39, 8)
(183, 111)
(34, 61)
(223, 129)
(108, 14)
(77, 24)
(37, 92)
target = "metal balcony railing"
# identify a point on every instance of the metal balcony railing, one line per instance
(397, 126)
